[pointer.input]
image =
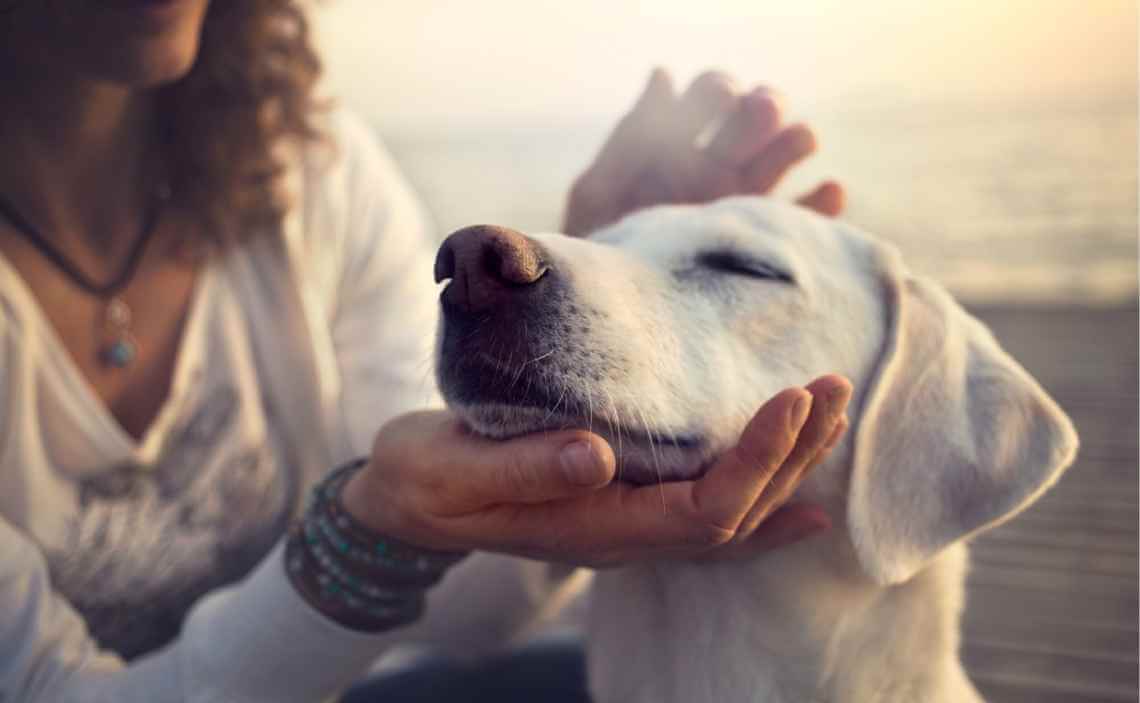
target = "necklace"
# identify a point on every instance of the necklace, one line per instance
(117, 345)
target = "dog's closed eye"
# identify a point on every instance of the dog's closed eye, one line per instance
(740, 264)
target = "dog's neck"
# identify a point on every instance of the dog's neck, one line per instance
(800, 624)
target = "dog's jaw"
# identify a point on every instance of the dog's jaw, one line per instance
(644, 455)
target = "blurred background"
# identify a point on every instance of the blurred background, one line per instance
(995, 142)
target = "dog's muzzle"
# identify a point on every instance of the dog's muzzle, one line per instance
(502, 304)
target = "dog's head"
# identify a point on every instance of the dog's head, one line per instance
(665, 332)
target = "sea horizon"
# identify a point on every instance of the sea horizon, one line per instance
(1027, 202)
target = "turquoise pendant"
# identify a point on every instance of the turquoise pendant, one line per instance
(120, 354)
(119, 349)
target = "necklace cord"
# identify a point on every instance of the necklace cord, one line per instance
(92, 287)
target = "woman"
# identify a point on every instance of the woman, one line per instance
(212, 292)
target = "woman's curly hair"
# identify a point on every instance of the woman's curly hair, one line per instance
(250, 91)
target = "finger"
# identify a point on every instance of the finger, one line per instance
(747, 130)
(630, 146)
(709, 97)
(828, 199)
(529, 469)
(789, 524)
(831, 394)
(828, 446)
(732, 485)
(683, 168)
(790, 146)
(762, 513)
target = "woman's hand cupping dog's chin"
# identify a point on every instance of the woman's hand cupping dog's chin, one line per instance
(658, 153)
(552, 496)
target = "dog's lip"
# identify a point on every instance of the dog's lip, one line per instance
(641, 459)
(555, 422)
(549, 404)
(645, 454)
(558, 422)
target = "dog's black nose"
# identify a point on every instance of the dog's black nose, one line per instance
(486, 264)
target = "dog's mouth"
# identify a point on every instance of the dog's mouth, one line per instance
(645, 455)
(500, 402)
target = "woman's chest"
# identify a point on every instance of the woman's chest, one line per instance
(136, 529)
(124, 346)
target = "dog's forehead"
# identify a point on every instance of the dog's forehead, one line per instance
(749, 224)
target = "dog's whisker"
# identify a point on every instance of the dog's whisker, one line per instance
(553, 410)
(615, 428)
(541, 357)
(522, 368)
(590, 413)
(653, 453)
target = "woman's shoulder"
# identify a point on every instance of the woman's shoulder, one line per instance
(351, 207)
(349, 166)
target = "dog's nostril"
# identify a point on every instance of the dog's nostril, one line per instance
(512, 264)
(444, 263)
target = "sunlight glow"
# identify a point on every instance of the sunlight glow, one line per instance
(445, 59)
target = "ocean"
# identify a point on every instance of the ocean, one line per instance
(1003, 203)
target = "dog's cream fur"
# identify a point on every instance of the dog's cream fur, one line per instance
(949, 436)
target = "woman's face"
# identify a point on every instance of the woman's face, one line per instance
(140, 43)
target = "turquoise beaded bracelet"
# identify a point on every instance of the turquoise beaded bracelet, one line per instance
(358, 543)
(361, 579)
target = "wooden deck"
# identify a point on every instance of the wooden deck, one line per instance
(1052, 611)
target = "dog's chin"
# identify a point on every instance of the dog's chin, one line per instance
(644, 456)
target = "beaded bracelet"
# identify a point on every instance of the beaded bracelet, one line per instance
(360, 579)
(359, 543)
(323, 592)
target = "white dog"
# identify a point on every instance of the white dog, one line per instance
(664, 333)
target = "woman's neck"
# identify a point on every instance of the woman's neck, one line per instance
(76, 158)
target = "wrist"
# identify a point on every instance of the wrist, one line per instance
(359, 501)
(353, 574)
(365, 501)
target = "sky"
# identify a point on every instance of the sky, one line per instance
(437, 61)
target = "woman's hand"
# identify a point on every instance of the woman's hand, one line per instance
(657, 153)
(552, 496)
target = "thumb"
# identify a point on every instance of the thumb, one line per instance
(536, 468)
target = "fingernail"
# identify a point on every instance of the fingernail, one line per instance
(837, 401)
(580, 464)
(800, 411)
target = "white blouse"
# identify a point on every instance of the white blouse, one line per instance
(165, 552)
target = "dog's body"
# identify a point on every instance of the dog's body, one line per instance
(664, 333)
(797, 626)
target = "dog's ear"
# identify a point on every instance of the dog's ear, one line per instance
(954, 435)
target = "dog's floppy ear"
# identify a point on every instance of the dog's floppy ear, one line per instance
(954, 435)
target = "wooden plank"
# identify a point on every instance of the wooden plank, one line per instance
(1049, 558)
(1052, 605)
(1003, 688)
(1121, 543)
(1060, 634)
(1082, 583)
(1051, 668)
